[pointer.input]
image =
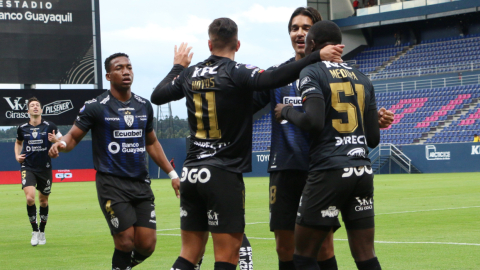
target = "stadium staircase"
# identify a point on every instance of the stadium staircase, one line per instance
(386, 153)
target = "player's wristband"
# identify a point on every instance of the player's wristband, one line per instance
(173, 174)
(64, 143)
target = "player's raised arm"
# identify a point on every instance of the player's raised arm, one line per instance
(169, 88)
(155, 150)
(313, 120)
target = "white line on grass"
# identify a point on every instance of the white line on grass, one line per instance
(428, 210)
(379, 242)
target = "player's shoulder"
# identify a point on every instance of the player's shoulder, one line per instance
(281, 64)
(48, 123)
(140, 99)
(22, 126)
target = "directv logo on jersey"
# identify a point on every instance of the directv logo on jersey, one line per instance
(296, 101)
(350, 140)
(130, 133)
(35, 141)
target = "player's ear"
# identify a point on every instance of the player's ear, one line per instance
(238, 46)
(313, 44)
(210, 47)
(107, 76)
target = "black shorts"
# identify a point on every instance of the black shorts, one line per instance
(328, 192)
(126, 202)
(212, 199)
(41, 180)
(286, 188)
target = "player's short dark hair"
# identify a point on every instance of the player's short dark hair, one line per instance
(109, 59)
(310, 12)
(325, 32)
(32, 99)
(223, 33)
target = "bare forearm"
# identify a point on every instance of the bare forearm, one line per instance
(18, 148)
(155, 151)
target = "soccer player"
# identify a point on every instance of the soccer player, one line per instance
(342, 120)
(219, 96)
(34, 138)
(288, 165)
(122, 130)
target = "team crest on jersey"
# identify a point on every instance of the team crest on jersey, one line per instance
(34, 133)
(128, 118)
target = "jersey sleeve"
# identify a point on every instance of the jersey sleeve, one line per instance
(149, 126)
(86, 119)
(170, 89)
(260, 100)
(245, 76)
(372, 105)
(309, 84)
(19, 134)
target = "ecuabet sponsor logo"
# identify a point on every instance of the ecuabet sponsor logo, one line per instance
(295, 101)
(130, 133)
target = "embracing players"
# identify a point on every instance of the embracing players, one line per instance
(288, 165)
(122, 130)
(342, 120)
(219, 94)
(34, 138)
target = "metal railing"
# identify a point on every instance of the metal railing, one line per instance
(397, 6)
(470, 66)
(428, 84)
(395, 154)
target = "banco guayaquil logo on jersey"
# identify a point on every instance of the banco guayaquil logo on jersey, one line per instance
(432, 154)
(128, 118)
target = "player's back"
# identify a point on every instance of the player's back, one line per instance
(348, 95)
(219, 114)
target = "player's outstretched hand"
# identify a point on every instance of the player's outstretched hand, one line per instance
(182, 55)
(51, 137)
(385, 118)
(332, 53)
(176, 186)
(20, 158)
(54, 150)
(278, 111)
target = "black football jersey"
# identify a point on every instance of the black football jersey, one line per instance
(36, 145)
(348, 95)
(219, 98)
(118, 133)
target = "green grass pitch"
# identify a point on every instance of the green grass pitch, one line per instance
(423, 221)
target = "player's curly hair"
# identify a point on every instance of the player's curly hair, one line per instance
(325, 32)
(310, 12)
(110, 58)
(223, 32)
(32, 99)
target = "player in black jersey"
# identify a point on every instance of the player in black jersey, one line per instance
(288, 163)
(34, 138)
(219, 97)
(342, 119)
(122, 130)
